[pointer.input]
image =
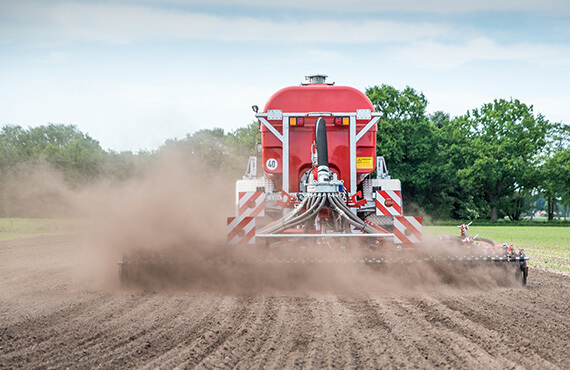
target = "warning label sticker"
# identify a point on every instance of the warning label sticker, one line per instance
(364, 163)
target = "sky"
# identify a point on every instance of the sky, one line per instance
(135, 73)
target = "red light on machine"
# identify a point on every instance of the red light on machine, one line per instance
(296, 121)
(389, 202)
(342, 121)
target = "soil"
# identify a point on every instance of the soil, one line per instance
(55, 314)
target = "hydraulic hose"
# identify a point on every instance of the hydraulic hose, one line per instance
(321, 143)
(292, 219)
(313, 204)
(348, 215)
(282, 220)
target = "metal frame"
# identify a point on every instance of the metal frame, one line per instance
(324, 235)
(354, 137)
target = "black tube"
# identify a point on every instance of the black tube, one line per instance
(321, 142)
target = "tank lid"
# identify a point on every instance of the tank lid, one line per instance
(316, 79)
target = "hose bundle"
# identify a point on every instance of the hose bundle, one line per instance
(312, 205)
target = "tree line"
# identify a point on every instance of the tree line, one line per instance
(493, 162)
(498, 160)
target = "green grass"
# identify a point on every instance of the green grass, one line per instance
(538, 222)
(18, 228)
(547, 247)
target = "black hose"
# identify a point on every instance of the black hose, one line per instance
(321, 142)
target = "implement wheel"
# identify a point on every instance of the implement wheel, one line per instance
(524, 273)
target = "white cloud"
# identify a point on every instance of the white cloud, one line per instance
(555, 7)
(120, 24)
(437, 55)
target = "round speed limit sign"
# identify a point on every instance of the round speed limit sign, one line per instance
(271, 164)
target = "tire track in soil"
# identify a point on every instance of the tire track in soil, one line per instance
(537, 327)
(158, 337)
(493, 341)
(327, 351)
(443, 326)
(38, 335)
(146, 337)
(244, 332)
(288, 343)
(424, 344)
(244, 348)
(97, 321)
(100, 322)
(341, 324)
(139, 334)
(100, 338)
(270, 344)
(372, 329)
(194, 345)
(241, 327)
(400, 338)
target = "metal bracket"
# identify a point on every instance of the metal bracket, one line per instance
(367, 127)
(363, 114)
(251, 170)
(381, 169)
(274, 114)
(270, 127)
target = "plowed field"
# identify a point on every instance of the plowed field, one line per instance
(54, 316)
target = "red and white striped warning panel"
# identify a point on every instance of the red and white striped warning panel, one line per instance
(241, 230)
(388, 203)
(251, 204)
(407, 229)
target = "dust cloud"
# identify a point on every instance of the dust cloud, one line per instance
(174, 214)
(35, 189)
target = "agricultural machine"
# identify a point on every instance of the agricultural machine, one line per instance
(317, 192)
(326, 196)
(318, 150)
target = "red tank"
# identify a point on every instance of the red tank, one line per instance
(308, 100)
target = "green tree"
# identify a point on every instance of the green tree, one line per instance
(555, 173)
(218, 151)
(408, 140)
(500, 151)
(440, 119)
(65, 147)
(245, 139)
(462, 202)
